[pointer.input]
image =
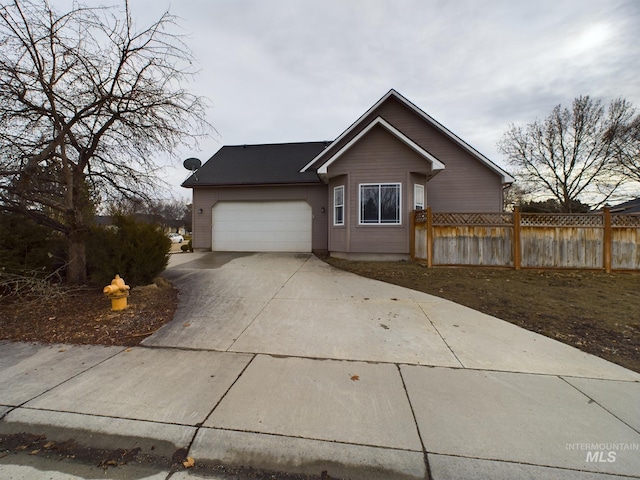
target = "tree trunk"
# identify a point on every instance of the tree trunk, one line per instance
(77, 267)
(79, 213)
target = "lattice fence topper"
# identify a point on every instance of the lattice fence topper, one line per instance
(625, 220)
(560, 220)
(480, 219)
(420, 216)
(528, 219)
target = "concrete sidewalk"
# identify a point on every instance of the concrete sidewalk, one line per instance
(284, 363)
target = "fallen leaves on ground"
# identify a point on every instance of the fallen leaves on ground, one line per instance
(84, 316)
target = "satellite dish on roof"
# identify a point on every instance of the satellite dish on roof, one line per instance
(192, 164)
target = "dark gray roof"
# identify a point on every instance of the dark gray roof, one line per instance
(270, 164)
(632, 206)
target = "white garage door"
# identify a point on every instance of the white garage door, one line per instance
(262, 226)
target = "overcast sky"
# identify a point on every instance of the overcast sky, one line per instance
(304, 70)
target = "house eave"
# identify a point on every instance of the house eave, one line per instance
(436, 165)
(506, 178)
(237, 185)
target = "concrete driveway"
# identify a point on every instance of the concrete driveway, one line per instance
(280, 361)
(295, 305)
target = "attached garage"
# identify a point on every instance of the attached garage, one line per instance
(279, 226)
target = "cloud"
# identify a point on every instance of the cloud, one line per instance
(298, 70)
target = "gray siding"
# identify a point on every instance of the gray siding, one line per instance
(465, 185)
(379, 157)
(339, 235)
(206, 197)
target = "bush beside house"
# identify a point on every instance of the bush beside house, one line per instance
(136, 251)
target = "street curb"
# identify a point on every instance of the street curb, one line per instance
(155, 439)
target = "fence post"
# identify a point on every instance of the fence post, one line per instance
(517, 253)
(429, 238)
(412, 233)
(606, 254)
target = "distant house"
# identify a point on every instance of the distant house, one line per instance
(632, 206)
(351, 196)
(103, 220)
(175, 226)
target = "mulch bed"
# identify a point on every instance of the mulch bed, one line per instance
(84, 316)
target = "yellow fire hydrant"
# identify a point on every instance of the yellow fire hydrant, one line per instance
(118, 293)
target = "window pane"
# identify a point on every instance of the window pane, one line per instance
(369, 203)
(338, 205)
(390, 204)
(338, 196)
(418, 194)
(380, 204)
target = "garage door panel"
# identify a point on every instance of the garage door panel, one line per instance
(262, 226)
(267, 246)
(264, 237)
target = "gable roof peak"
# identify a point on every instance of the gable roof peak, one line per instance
(506, 178)
(436, 165)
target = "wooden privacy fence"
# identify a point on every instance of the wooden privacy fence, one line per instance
(527, 240)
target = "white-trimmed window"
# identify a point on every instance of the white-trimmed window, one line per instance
(418, 197)
(338, 205)
(380, 204)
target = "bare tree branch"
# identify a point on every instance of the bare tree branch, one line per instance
(86, 103)
(627, 145)
(574, 154)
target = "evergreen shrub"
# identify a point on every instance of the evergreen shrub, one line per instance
(26, 247)
(136, 251)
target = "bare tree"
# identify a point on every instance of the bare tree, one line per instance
(86, 103)
(570, 155)
(627, 148)
(171, 211)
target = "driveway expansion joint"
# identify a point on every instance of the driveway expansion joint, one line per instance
(440, 334)
(593, 400)
(415, 420)
(70, 378)
(200, 425)
(315, 439)
(112, 417)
